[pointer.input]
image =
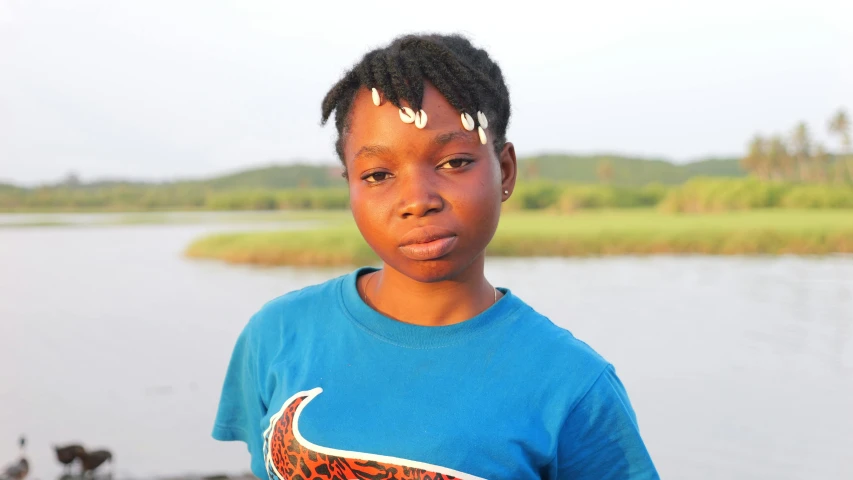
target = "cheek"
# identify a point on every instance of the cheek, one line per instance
(480, 195)
(474, 202)
(370, 212)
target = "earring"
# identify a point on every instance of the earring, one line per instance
(506, 192)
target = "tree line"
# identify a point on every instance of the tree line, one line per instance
(797, 157)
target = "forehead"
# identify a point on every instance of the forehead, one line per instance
(370, 125)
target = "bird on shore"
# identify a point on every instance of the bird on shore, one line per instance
(68, 454)
(19, 469)
(93, 460)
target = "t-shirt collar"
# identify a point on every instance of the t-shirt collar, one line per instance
(419, 336)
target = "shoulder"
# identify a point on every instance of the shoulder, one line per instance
(557, 343)
(551, 354)
(554, 369)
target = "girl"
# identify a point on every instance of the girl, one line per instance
(422, 369)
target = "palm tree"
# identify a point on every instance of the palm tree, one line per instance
(839, 125)
(778, 158)
(755, 161)
(820, 160)
(800, 149)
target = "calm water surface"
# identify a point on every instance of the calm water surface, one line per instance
(739, 368)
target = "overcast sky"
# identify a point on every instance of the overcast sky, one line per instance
(164, 89)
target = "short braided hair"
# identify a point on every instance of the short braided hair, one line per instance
(464, 74)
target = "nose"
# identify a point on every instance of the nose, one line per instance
(419, 197)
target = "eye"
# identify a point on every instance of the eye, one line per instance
(376, 177)
(455, 163)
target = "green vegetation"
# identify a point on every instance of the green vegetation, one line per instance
(608, 232)
(699, 195)
(340, 244)
(566, 198)
(168, 197)
(709, 195)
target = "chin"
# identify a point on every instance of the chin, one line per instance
(430, 271)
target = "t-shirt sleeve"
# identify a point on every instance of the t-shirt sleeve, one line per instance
(600, 438)
(241, 405)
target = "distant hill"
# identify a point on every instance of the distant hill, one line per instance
(280, 176)
(272, 177)
(569, 168)
(623, 170)
(585, 169)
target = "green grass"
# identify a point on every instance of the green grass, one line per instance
(609, 232)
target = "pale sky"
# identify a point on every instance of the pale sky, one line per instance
(159, 90)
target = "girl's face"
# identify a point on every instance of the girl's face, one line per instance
(426, 200)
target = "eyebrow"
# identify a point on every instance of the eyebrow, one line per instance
(371, 151)
(448, 137)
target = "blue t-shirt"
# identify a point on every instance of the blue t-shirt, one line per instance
(320, 385)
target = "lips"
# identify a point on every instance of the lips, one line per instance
(427, 243)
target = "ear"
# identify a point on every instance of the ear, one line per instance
(509, 169)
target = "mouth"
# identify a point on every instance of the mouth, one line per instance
(427, 243)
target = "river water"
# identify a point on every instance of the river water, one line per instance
(739, 368)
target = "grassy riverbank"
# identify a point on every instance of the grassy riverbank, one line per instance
(611, 232)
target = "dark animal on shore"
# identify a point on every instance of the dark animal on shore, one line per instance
(68, 454)
(93, 460)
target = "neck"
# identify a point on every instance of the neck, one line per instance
(429, 304)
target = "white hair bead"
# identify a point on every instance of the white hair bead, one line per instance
(484, 122)
(482, 133)
(421, 119)
(377, 100)
(407, 115)
(467, 122)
